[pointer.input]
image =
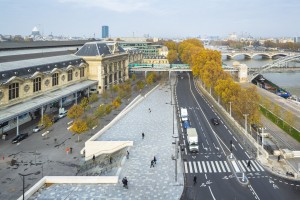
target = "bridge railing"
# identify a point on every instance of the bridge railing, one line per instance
(159, 66)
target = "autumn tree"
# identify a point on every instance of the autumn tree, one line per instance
(91, 121)
(108, 109)
(172, 56)
(140, 85)
(46, 121)
(171, 45)
(100, 111)
(276, 111)
(105, 95)
(289, 118)
(79, 126)
(117, 102)
(93, 98)
(84, 102)
(133, 77)
(75, 112)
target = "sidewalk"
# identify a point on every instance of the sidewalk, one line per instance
(144, 182)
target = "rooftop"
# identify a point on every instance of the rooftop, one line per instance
(99, 49)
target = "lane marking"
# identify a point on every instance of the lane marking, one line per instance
(222, 166)
(205, 176)
(234, 138)
(241, 146)
(225, 126)
(211, 193)
(253, 163)
(244, 170)
(230, 132)
(208, 167)
(185, 151)
(235, 166)
(247, 155)
(245, 164)
(260, 167)
(213, 166)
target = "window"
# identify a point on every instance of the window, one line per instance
(55, 79)
(37, 84)
(13, 91)
(82, 72)
(70, 75)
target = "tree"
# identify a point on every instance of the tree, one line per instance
(105, 95)
(267, 104)
(151, 78)
(46, 122)
(93, 98)
(108, 109)
(140, 85)
(289, 119)
(91, 121)
(172, 56)
(84, 102)
(75, 112)
(133, 77)
(171, 45)
(117, 102)
(79, 126)
(100, 111)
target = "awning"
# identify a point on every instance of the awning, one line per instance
(29, 105)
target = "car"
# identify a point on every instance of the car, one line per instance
(19, 138)
(215, 121)
(38, 128)
(62, 114)
(186, 124)
(55, 119)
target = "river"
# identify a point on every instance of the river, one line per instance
(287, 80)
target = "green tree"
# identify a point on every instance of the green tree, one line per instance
(75, 112)
(84, 102)
(93, 98)
(79, 126)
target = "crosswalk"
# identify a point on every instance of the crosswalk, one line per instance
(219, 166)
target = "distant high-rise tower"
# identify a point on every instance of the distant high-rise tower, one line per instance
(105, 31)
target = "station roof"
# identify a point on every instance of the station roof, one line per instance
(11, 112)
(98, 49)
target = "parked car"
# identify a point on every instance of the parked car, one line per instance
(19, 138)
(62, 114)
(55, 119)
(38, 128)
(215, 121)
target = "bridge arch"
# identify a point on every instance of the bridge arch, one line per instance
(246, 56)
(263, 55)
(226, 57)
(278, 54)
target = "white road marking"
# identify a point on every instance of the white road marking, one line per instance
(211, 193)
(241, 146)
(191, 167)
(70, 122)
(234, 138)
(247, 155)
(185, 151)
(204, 167)
(195, 167)
(218, 167)
(186, 168)
(222, 166)
(253, 163)
(227, 167)
(262, 169)
(199, 166)
(230, 132)
(225, 126)
(69, 127)
(235, 166)
(244, 170)
(205, 176)
(245, 165)
(208, 167)
(213, 166)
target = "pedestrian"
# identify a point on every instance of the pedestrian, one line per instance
(94, 158)
(110, 160)
(152, 164)
(143, 135)
(126, 183)
(149, 110)
(278, 158)
(71, 149)
(127, 155)
(154, 160)
(195, 180)
(249, 164)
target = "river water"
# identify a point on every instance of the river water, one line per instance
(287, 80)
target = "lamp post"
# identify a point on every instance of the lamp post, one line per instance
(23, 176)
(176, 156)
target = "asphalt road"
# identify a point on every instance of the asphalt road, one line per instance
(215, 174)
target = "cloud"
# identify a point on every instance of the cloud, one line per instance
(114, 5)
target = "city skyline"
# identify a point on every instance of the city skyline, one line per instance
(127, 18)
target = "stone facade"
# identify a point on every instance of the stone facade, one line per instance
(155, 60)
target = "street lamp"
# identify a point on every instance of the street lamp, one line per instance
(23, 176)
(176, 156)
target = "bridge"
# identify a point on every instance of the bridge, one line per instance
(279, 63)
(251, 54)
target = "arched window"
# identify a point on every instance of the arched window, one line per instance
(70, 75)
(55, 79)
(13, 90)
(37, 84)
(82, 72)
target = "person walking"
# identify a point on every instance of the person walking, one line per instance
(143, 135)
(125, 182)
(110, 160)
(152, 163)
(127, 155)
(249, 164)
(154, 160)
(94, 158)
(195, 180)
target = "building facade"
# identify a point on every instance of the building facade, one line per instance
(146, 47)
(155, 60)
(105, 31)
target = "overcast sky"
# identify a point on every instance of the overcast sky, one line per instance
(158, 18)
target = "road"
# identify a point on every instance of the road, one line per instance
(215, 174)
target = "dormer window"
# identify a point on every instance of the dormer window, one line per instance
(70, 75)
(13, 90)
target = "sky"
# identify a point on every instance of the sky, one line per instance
(158, 18)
